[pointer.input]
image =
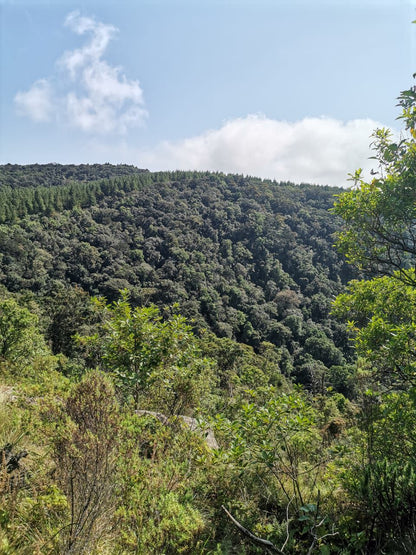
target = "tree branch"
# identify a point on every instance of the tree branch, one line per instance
(260, 541)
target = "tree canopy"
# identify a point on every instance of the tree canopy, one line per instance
(380, 215)
(380, 238)
(250, 259)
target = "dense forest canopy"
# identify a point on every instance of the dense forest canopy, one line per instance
(51, 175)
(250, 259)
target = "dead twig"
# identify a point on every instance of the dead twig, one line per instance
(269, 546)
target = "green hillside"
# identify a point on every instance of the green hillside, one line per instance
(251, 260)
(172, 380)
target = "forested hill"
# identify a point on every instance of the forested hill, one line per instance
(251, 259)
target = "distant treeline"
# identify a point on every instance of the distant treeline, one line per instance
(51, 175)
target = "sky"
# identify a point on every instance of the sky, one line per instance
(281, 89)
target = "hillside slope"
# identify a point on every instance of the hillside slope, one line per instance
(251, 259)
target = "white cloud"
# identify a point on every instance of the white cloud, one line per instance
(37, 102)
(92, 51)
(88, 93)
(313, 150)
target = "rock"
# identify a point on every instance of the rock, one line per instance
(192, 423)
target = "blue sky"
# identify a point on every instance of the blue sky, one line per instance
(283, 89)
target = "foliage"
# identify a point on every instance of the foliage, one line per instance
(381, 314)
(111, 480)
(152, 357)
(279, 437)
(66, 312)
(158, 487)
(250, 259)
(51, 175)
(277, 459)
(31, 506)
(84, 452)
(379, 237)
(380, 216)
(380, 480)
(20, 340)
(114, 465)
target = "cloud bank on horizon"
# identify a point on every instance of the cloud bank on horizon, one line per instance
(96, 98)
(86, 92)
(313, 150)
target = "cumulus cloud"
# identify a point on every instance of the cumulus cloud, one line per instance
(37, 102)
(90, 53)
(87, 93)
(312, 150)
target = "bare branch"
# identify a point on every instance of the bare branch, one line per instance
(287, 523)
(260, 541)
